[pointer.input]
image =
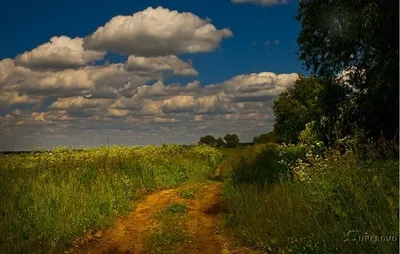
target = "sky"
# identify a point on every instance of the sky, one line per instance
(142, 72)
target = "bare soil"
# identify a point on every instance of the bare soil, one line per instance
(203, 226)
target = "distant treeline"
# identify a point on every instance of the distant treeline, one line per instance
(232, 140)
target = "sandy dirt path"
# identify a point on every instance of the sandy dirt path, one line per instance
(126, 234)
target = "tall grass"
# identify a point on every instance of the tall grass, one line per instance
(318, 204)
(49, 198)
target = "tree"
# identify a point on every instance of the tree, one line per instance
(361, 36)
(265, 138)
(220, 142)
(297, 106)
(208, 140)
(232, 140)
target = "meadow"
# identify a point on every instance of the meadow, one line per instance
(301, 199)
(276, 198)
(49, 198)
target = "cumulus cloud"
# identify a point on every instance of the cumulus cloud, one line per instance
(256, 86)
(157, 32)
(78, 102)
(109, 100)
(260, 2)
(163, 120)
(160, 64)
(179, 104)
(60, 53)
(12, 98)
(90, 81)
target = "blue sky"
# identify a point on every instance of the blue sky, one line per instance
(241, 51)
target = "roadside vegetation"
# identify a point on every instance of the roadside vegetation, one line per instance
(49, 198)
(293, 199)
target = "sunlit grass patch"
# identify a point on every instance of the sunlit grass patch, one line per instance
(169, 235)
(175, 208)
(189, 193)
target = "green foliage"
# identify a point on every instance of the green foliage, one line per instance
(189, 193)
(362, 38)
(220, 143)
(170, 234)
(313, 210)
(262, 165)
(208, 140)
(176, 208)
(266, 138)
(296, 107)
(49, 198)
(232, 140)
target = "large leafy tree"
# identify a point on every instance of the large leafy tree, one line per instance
(208, 140)
(297, 106)
(265, 138)
(232, 140)
(362, 36)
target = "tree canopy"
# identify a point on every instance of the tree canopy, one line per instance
(232, 140)
(297, 106)
(362, 38)
(265, 138)
(208, 140)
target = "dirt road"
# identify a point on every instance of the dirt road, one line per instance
(126, 234)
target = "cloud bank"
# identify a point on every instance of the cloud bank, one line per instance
(58, 93)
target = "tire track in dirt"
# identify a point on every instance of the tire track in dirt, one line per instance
(125, 235)
(204, 225)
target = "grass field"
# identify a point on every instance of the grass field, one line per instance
(50, 198)
(328, 204)
(280, 199)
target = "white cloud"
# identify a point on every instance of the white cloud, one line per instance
(160, 64)
(163, 120)
(6, 68)
(256, 86)
(78, 102)
(12, 98)
(60, 53)
(260, 2)
(157, 32)
(242, 104)
(179, 104)
(91, 81)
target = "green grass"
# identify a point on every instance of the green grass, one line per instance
(189, 193)
(312, 209)
(170, 234)
(175, 208)
(47, 199)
